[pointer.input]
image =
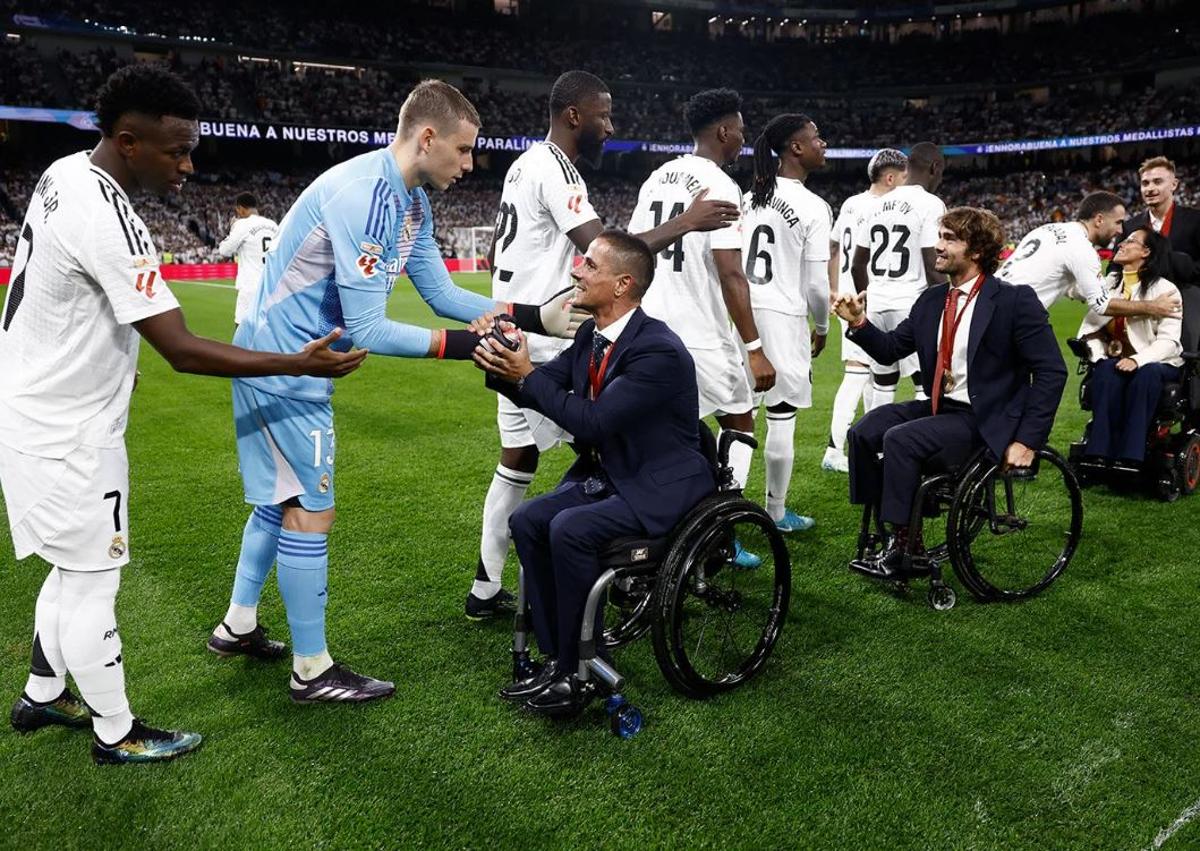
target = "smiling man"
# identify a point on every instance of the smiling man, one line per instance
(991, 366)
(85, 285)
(339, 251)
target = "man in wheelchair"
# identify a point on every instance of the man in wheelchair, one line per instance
(994, 376)
(626, 389)
(1135, 378)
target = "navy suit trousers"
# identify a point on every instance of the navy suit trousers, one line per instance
(908, 435)
(1123, 406)
(558, 537)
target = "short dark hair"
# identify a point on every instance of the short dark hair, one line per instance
(245, 199)
(437, 103)
(923, 155)
(574, 87)
(146, 88)
(980, 230)
(704, 109)
(634, 258)
(1095, 203)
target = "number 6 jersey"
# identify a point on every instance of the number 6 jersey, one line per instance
(543, 199)
(85, 270)
(778, 239)
(686, 293)
(901, 224)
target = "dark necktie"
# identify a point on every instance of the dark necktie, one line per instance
(600, 345)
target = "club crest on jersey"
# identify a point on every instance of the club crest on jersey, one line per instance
(145, 282)
(366, 264)
(575, 204)
(117, 548)
(323, 485)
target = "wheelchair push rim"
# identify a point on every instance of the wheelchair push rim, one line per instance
(1012, 534)
(715, 623)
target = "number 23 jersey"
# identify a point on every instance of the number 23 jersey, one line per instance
(686, 292)
(901, 224)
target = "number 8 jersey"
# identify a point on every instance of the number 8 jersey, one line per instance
(902, 223)
(686, 293)
(543, 200)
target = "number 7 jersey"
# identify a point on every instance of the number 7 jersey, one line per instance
(894, 231)
(686, 292)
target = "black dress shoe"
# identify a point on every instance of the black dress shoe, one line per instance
(566, 697)
(522, 690)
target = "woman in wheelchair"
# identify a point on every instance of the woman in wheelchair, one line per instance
(1132, 356)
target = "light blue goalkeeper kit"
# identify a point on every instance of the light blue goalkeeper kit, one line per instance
(339, 252)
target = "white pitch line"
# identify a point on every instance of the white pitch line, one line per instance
(1167, 832)
(229, 287)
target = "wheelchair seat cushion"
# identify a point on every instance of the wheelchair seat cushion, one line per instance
(633, 552)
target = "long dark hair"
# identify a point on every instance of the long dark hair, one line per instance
(767, 146)
(1157, 263)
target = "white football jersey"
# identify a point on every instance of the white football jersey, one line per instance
(248, 242)
(894, 231)
(85, 269)
(854, 210)
(686, 293)
(1058, 259)
(543, 199)
(778, 240)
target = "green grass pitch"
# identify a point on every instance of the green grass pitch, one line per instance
(1066, 722)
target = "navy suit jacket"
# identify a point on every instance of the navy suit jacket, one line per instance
(643, 425)
(1015, 370)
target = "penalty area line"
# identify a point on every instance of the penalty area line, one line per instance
(1167, 832)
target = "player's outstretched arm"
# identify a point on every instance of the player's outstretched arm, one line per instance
(702, 215)
(185, 352)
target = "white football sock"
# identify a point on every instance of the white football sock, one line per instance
(881, 394)
(740, 455)
(47, 671)
(307, 667)
(780, 453)
(845, 404)
(503, 497)
(91, 648)
(239, 619)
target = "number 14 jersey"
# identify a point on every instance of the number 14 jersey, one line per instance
(686, 292)
(901, 224)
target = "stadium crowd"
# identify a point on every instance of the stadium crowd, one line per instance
(845, 64)
(277, 93)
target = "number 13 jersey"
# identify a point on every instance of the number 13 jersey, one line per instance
(686, 292)
(544, 198)
(901, 224)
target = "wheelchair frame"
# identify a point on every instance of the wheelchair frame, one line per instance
(950, 492)
(597, 675)
(1172, 465)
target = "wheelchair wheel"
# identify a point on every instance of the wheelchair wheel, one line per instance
(715, 623)
(1188, 459)
(1012, 534)
(626, 616)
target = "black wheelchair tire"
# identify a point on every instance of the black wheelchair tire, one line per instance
(963, 524)
(697, 533)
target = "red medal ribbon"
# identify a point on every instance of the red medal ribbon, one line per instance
(1165, 230)
(951, 319)
(596, 376)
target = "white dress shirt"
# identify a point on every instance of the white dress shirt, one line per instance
(958, 358)
(613, 330)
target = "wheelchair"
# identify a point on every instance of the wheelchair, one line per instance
(1172, 464)
(1009, 532)
(713, 624)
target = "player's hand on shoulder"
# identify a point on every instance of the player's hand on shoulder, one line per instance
(1166, 306)
(318, 359)
(704, 215)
